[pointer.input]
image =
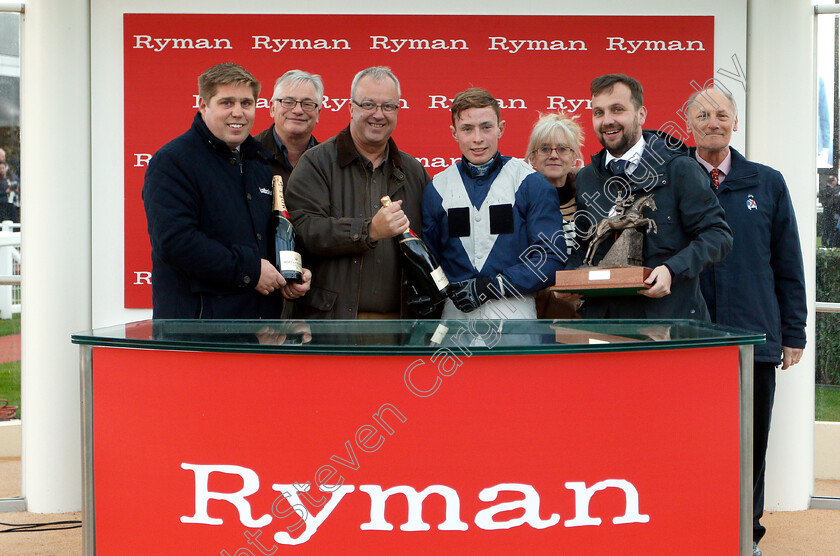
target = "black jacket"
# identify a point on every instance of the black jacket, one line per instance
(208, 211)
(278, 163)
(692, 232)
(760, 286)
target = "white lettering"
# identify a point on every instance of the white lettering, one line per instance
(334, 104)
(263, 42)
(439, 101)
(144, 277)
(251, 484)
(379, 42)
(515, 45)
(415, 508)
(583, 495)
(568, 104)
(437, 162)
(141, 159)
(158, 45)
(531, 505)
(311, 520)
(631, 46)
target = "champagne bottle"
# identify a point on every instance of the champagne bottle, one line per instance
(286, 259)
(423, 271)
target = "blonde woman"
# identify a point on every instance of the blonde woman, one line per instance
(554, 150)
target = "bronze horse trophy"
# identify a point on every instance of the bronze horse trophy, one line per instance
(629, 217)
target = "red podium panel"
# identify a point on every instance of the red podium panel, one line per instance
(590, 453)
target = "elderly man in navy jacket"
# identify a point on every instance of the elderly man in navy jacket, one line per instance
(760, 286)
(207, 195)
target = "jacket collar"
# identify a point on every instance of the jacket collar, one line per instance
(250, 148)
(495, 163)
(741, 169)
(347, 152)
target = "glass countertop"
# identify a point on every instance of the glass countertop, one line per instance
(415, 337)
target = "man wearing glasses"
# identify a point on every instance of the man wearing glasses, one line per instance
(345, 234)
(295, 107)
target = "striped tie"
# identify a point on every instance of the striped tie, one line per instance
(715, 177)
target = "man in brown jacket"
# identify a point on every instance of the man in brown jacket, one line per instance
(345, 236)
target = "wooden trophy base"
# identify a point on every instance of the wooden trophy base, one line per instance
(597, 281)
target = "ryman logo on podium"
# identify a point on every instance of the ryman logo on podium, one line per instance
(485, 519)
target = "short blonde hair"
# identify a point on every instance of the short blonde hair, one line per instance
(553, 129)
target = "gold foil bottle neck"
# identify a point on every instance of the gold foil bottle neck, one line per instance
(277, 194)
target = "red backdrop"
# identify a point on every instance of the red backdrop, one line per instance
(532, 64)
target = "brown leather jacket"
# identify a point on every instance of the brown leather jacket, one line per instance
(326, 198)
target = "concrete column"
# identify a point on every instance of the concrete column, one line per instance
(781, 132)
(56, 283)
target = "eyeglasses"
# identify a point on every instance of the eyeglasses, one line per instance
(290, 103)
(368, 106)
(545, 150)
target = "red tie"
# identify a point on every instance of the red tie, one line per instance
(715, 177)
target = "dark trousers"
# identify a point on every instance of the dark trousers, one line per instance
(764, 391)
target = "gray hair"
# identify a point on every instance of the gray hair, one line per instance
(300, 77)
(378, 74)
(722, 90)
(555, 128)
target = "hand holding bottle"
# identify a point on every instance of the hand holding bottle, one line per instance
(293, 290)
(389, 221)
(270, 278)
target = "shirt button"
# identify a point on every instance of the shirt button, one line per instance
(478, 218)
(259, 237)
(248, 196)
(355, 237)
(246, 280)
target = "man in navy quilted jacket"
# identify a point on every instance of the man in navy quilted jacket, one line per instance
(765, 251)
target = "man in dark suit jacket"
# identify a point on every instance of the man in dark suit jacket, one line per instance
(691, 230)
(295, 108)
(766, 250)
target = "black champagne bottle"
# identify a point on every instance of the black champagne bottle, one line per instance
(286, 259)
(423, 270)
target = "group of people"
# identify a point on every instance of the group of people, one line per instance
(726, 247)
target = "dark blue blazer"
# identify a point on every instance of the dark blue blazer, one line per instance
(760, 286)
